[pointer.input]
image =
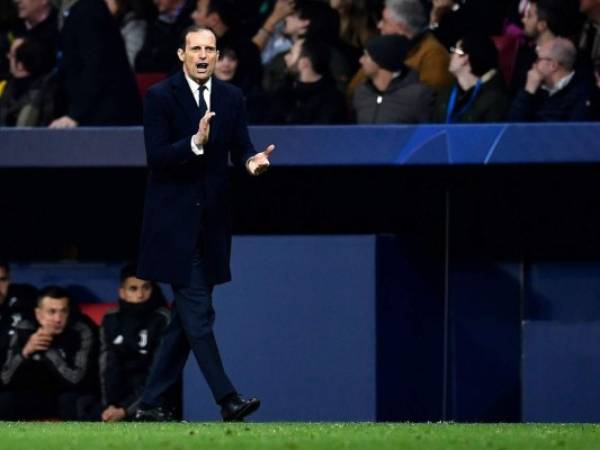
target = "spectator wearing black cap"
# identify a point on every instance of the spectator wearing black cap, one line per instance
(29, 98)
(392, 92)
(311, 96)
(479, 94)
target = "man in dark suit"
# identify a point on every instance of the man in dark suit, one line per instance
(192, 123)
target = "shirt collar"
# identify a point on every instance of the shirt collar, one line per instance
(560, 85)
(194, 86)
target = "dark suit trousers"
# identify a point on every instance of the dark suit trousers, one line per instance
(190, 327)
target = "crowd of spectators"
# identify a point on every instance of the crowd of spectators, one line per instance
(56, 363)
(74, 62)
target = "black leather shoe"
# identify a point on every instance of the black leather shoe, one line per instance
(157, 414)
(236, 408)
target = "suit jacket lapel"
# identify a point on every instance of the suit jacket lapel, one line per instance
(185, 98)
(217, 100)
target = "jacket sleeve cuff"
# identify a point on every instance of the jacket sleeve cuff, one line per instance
(197, 149)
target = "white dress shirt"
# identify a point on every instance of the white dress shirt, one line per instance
(560, 85)
(195, 88)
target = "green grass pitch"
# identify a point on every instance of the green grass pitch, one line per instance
(295, 436)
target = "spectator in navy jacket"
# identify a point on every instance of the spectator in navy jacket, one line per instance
(552, 92)
(543, 20)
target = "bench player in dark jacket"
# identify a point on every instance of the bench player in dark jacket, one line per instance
(50, 363)
(129, 338)
(17, 302)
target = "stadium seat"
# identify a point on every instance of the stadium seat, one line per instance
(145, 80)
(508, 47)
(96, 311)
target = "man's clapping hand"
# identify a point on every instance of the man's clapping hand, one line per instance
(201, 137)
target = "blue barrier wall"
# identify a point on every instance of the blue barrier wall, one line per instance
(297, 328)
(561, 369)
(320, 145)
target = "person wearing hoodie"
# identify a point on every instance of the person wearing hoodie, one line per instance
(129, 338)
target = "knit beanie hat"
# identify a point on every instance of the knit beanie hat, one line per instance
(388, 51)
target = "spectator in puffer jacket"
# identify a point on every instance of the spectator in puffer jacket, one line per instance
(392, 92)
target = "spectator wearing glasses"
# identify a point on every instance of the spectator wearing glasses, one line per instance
(543, 20)
(479, 94)
(552, 92)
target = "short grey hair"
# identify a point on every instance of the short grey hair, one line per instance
(411, 12)
(563, 52)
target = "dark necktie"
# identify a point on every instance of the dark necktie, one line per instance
(201, 102)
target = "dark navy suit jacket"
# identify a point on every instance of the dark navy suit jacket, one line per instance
(187, 204)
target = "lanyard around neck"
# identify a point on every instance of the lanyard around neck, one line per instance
(450, 117)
